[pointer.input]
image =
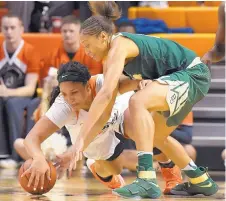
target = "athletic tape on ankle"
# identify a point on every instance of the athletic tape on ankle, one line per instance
(199, 179)
(147, 175)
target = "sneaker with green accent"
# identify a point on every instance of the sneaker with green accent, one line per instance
(145, 186)
(206, 187)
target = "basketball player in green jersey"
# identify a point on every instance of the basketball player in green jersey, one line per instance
(175, 80)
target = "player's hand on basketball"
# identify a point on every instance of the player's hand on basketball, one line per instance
(144, 83)
(38, 169)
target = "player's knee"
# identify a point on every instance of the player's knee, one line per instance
(18, 144)
(135, 102)
(116, 170)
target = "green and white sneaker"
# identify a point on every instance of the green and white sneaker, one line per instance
(200, 185)
(145, 186)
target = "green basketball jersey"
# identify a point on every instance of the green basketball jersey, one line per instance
(157, 57)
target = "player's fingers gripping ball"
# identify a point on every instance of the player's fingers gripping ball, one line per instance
(48, 184)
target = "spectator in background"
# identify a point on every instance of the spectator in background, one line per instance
(19, 71)
(69, 50)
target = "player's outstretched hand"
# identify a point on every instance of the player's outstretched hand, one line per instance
(38, 170)
(67, 160)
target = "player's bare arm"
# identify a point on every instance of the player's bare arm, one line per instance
(41, 131)
(218, 51)
(121, 49)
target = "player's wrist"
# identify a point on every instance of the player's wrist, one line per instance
(38, 157)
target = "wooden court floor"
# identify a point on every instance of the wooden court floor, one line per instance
(83, 187)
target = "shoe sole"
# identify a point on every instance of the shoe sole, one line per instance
(135, 196)
(173, 192)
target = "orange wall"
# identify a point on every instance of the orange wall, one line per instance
(200, 43)
(44, 43)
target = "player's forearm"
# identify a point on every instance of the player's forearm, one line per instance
(95, 130)
(26, 91)
(98, 116)
(32, 145)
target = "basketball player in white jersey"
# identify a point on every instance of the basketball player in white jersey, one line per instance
(75, 94)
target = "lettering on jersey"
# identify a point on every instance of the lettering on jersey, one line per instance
(112, 121)
(173, 98)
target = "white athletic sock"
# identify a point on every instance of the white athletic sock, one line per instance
(140, 153)
(190, 166)
(165, 162)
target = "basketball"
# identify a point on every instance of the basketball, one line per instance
(48, 185)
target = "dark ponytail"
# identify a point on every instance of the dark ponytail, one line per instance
(54, 94)
(105, 12)
(107, 9)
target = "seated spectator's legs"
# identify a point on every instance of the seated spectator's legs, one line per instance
(183, 134)
(20, 149)
(4, 149)
(32, 106)
(15, 108)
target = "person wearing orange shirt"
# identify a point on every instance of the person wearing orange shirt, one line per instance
(19, 71)
(70, 49)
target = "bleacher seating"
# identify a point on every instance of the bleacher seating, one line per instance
(209, 117)
(192, 3)
(204, 41)
(178, 17)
